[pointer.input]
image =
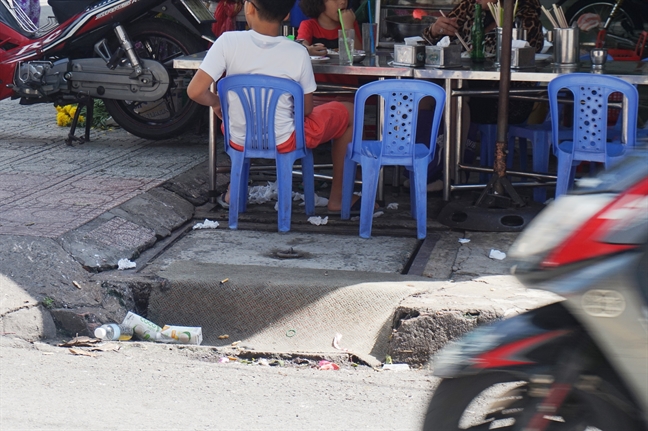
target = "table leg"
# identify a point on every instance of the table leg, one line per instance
(448, 139)
(458, 135)
(212, 152)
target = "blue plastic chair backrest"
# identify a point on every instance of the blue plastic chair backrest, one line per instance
(296, 15)
(401, 98)
(591, 94)
(258, 95)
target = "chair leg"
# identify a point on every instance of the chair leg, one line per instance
(284, 193)
(348, 180)
(565, 173)
(540, 154)
(420, 190)
(370, 174)
(236, 179)
(308, 179)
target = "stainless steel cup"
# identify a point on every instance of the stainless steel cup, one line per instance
(598, 57)
(566, 46)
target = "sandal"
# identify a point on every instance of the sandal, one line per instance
(220, 200)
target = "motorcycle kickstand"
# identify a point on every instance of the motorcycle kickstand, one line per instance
(88, 102)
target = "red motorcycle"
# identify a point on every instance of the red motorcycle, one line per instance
(120, 51)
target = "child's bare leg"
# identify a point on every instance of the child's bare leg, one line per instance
(338, 153)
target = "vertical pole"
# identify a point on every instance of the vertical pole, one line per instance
(447, 149)
(505, 85)
(212, 152)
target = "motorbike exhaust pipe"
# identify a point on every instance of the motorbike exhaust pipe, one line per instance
(126, 44)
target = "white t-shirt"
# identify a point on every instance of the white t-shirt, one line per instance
(239, 52)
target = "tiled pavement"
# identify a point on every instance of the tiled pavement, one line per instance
(48, 188)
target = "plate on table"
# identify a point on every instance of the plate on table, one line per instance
(319, 58)
(357, 55)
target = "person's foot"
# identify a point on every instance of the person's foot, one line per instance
(223, 199)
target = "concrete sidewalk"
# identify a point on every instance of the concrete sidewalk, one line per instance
(70, 213)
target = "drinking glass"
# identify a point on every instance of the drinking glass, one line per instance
(346, 46)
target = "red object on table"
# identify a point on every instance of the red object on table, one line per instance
(625, 54)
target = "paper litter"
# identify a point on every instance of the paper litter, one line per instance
(444, 42)
(464, 240)
(207, 224)
(124, 263)
(496, 254)
(392, 206)
(317, 220)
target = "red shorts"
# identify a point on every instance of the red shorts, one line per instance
(326, 122)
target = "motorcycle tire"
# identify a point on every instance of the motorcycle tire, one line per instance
(623, 31)
(162, 40)
(461, 403)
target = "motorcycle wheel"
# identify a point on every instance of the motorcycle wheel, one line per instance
(162, 40)
(623, 31)
(497, 400)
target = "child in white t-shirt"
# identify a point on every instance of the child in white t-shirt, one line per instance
(262, 50)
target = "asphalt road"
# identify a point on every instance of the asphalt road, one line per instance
(147, 386)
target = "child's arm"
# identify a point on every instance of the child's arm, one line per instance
(308, 104)
(314, 50)
(200, 92)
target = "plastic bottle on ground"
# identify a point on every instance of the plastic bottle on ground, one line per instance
(113, 331)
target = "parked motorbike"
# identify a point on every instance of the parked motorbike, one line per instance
(578, 364)
(120, 51)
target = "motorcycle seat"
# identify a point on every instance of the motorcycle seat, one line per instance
(66, 9)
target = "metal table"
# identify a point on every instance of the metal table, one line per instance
(380, 66)
(633, 72)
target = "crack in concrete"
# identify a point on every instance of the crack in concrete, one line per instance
(22, 307)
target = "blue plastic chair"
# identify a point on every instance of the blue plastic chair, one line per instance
(398, 147)
(259, 95)
(590, 133)
(540, 137)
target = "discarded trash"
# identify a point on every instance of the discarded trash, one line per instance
(336, 342)
(496, 254)
(317, 220)
(80, 352)
(388, 359)
(377, 214)
(224, 360)
(392, 206)
(113, 331)
(207, 224)
(142, 328)
(125, 264)
(320, 201)
(328, 365)
(396, 367)
(291, 333)
(262, 194)
(76, 284)
(180, 335)
(80, 342)
(223, 337)
(225, 280)
(464, 240)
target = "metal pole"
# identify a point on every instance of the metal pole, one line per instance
(212, 152)
(505, 84)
